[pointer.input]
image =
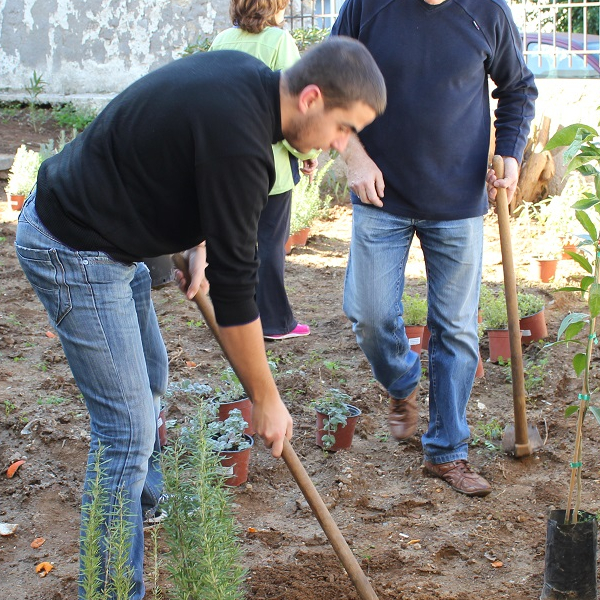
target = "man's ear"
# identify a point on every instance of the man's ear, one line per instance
(309, 97)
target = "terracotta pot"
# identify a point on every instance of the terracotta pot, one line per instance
(568, 248)
(425, 338)
(297, 239)
(245, 407)
(343, 435)
(161, 424)
(414, 333)
(235, 464)
(533, 327)
(16, 201)
(499, 343)
(480, 372)
(543, 269)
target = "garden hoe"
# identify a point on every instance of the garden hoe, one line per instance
(334, 535)
(520, 439)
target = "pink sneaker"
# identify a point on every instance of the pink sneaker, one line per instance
(298, 331)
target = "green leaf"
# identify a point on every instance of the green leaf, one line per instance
(578, 162)
(586, 282)
(571, 288)
(571, 320)
(579, 363)
(583, 262)
(570, 410)
(594, 300)
(584, 204)
(566, 135)
(597, 184)
(596, 412)
(587, 223)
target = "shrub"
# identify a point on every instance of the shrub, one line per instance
(23, 173)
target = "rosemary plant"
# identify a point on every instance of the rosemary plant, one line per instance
(201, 533)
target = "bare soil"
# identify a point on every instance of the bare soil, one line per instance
(413, 535)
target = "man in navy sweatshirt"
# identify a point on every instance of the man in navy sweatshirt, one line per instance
(420, 170)
(182, 158)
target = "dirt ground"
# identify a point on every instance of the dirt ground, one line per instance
(414, 537)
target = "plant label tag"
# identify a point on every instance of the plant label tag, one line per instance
(414, 341)
(526, 332)
(228, 471)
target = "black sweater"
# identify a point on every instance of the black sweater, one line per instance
(432, 141)
(182, 155)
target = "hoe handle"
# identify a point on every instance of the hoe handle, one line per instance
(522, 443)
(335, 537)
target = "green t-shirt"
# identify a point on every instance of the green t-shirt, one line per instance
(277, 49)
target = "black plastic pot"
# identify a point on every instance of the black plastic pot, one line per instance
(570, 569)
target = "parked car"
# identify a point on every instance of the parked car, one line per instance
(541, 50)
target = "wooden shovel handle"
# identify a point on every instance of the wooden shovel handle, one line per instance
(522, 443)
(334, 535)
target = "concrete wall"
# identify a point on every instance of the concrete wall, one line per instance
(96, 47)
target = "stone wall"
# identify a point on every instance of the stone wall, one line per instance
(95, 48)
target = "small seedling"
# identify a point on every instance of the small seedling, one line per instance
(9, 407)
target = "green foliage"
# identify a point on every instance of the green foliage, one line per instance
(307, 37)
(106, 521)
(23, 172)
(71, 117)
(582, 154)
(202, 44)
(414, 309)
(529, 304)
(204, 551)
(35, 87)
(229, 434)
(334, 404)
(487, 434)
(309, 201)
(551, 13)
(494, 312)
(232, 389)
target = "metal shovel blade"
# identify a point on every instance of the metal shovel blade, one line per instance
(508, 440)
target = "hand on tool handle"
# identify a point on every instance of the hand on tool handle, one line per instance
(244, 347)
(509, 180)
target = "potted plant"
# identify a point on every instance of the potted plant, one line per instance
(571, 541)
(308, 204)
(495, 323)
(415, 319)
(532, 320)
(22, 176)
(336, 420)
(229, 440)
(232, 396)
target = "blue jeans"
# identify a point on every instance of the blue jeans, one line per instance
(103, 314)
(372, 300)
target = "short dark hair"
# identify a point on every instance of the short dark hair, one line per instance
(254, 16)
(344, 71)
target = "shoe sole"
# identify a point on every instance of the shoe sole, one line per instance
(287, 336)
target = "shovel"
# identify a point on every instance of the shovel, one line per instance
(335, 537)
(521, 439)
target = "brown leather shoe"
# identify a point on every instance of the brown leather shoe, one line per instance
(403, 416)
(461, 478)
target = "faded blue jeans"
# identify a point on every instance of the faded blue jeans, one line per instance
(372, 300)
(103, 314)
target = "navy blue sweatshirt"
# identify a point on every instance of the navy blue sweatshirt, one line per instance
(182, 155)
(432, 142)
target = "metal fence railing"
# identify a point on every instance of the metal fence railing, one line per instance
(560, 37)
